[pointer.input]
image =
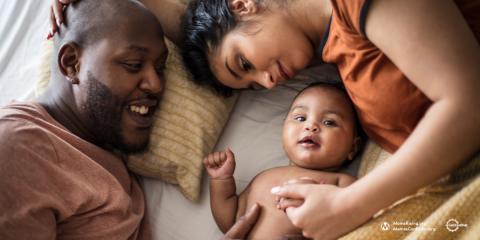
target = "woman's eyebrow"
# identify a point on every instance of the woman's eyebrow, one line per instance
(231, 70)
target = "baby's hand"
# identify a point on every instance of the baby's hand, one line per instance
(220, 165)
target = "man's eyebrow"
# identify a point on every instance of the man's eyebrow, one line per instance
(137, 49)
(231, 70)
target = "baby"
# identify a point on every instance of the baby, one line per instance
(319, 133)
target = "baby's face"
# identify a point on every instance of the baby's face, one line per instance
(318, 132)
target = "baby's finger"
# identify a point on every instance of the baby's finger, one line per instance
(210, 160)
(288, 202)
(206, 163)
(217, 159)
(222, 156)
(229, 154)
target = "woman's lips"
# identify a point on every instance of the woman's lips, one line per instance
(284, 72)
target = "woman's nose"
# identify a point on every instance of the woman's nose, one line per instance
(266, 80)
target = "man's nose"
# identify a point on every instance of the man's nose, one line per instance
(152, 81)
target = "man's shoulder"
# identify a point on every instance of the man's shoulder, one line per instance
(19, 119)
(21, 131)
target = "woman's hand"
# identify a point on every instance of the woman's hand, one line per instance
(284, 203)
(56, 15)
(327, 211)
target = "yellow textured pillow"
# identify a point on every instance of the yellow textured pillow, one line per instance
(187, 126)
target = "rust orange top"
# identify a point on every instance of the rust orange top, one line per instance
(389, 106)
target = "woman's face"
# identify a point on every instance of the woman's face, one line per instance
(262, 53)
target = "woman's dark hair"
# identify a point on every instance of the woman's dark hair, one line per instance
(205, 24)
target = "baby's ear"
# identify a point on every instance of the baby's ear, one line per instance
(356, 145)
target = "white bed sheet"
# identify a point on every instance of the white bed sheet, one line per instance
(23, 27)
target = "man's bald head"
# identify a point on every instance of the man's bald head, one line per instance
(109, 56)
(88, 21)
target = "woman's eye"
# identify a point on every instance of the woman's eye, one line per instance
(299, 118)
(329, 123)
(245, 65)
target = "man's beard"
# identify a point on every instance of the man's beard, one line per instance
(104, 112)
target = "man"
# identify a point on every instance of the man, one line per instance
(62, 171)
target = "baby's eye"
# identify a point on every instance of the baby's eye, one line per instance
(300, 118)
(329, 123)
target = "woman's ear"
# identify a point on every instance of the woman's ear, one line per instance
(357, 143)
(243, 8)
(69, 61)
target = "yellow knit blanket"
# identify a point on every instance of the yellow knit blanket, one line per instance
(448, 209)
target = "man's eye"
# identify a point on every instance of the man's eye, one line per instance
(245, 65)
(160, 69)
(132, 67)
(300, 118)
(329, 123)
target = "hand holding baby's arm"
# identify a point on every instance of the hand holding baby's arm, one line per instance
(220, 165)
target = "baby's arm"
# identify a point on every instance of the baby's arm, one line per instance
(223, 198)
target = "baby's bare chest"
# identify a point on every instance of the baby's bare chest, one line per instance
(274, 222)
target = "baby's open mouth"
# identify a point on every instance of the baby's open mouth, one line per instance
(308, 141)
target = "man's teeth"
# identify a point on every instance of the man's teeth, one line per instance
(139, 109)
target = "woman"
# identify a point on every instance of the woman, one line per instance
(410, 67)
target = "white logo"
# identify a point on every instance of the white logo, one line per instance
(385, 226)
(453, 225)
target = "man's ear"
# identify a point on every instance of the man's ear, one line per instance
(69, 61)
(243, 7)
(356, 145)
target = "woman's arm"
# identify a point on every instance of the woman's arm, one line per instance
(169, 13)
(432, 45)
